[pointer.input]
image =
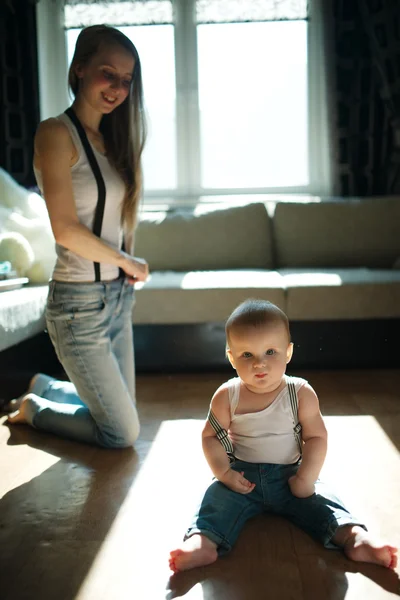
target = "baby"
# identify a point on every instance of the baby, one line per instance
(265, 441)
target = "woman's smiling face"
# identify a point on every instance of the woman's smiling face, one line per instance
(106, 79)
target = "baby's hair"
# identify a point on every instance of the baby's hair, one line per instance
(255, 313)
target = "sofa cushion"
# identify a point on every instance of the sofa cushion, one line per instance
(342, 233)
(208, 238)
(22, 314)
(329, 294)
(202, 297)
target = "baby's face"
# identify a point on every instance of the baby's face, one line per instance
(260, 355)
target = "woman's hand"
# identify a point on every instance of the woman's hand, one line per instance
(136, 268)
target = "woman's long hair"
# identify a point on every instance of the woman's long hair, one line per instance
(124, 129)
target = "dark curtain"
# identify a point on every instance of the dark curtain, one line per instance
(366, 65)
(19, 96)
(381, 19)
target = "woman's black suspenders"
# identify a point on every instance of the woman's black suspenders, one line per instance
(101, 198)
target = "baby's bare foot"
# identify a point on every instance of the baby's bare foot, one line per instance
(361, 547)
(19, 416)
(196, 551)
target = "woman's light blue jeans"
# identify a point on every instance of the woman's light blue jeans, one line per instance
(90, 325)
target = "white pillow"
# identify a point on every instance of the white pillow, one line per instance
(18, 251)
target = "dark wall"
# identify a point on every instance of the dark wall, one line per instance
(19, 94)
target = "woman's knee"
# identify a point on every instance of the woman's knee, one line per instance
(121, 439)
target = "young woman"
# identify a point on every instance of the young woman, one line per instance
(88, 165)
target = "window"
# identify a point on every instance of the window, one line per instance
(253, 105)
(228, 95)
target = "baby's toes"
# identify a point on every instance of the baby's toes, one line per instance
(173, 566)
(393, 562)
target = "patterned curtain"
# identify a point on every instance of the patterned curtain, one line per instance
(381, 20)
(250, 11)
(118, 13)
(367, 96)
(19, 94)
(81, 13)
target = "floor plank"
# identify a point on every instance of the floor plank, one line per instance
(86, 523)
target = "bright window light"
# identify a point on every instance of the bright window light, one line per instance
(253, 104)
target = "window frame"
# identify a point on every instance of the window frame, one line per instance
(54, 97)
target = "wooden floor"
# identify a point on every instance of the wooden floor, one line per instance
(91, 524)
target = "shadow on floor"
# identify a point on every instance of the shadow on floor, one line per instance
(53, 526)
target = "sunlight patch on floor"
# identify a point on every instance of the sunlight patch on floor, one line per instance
(356, 438)
(34, 461)
(164, 495)
(194, 593)
(360, 456)
(360, 587)
(157, 510)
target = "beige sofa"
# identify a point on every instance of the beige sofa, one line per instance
(319, 260)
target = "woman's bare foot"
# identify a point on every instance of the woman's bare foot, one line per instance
(196, 551)
(15, 404)
(359, 546)
(19, 416)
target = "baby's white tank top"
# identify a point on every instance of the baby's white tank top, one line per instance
(265, 436)
(70, 266)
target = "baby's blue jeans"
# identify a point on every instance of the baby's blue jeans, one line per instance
(223, 513)
(90, 325)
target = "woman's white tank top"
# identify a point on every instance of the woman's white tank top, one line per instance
(70, 266)
(265, 436)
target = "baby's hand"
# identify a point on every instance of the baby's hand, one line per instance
(301, 488)
(236, 482)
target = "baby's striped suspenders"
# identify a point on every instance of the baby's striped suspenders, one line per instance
(295, 414)
(222, 435)
(225, 440)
